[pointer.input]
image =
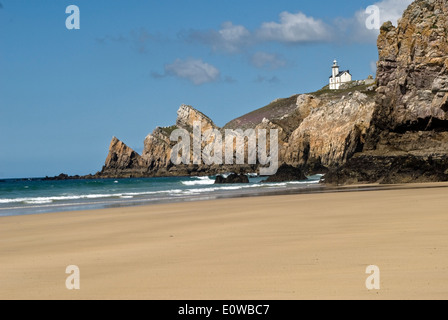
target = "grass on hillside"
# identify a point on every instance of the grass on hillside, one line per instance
(276, 108)
(169, 130)
(280, 107)
(339, 93)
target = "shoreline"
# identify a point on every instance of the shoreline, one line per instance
(308, 246)
(310, 188)
(135, 192)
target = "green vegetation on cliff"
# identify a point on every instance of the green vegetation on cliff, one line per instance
(281, 107)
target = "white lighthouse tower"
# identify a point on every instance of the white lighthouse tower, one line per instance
(335, 69)
(337, 78)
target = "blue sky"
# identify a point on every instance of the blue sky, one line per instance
(65, 93)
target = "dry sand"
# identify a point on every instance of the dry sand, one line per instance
(279, 247)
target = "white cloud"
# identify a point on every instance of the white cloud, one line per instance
(392, 10)
(267, 60)
(195, 70)
(229, 38)
(233, 36)
(294, 28)
(355, 29)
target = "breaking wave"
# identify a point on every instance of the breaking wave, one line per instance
(199, 181)
(42, 194)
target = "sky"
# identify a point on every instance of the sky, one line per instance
(64, 93)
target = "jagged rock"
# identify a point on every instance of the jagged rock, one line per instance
(313, 132)
(408, 140)
(389, 169)
(306, 103)
(63, 177)
(332, 132)
(123, 162)
(287, 173)
(315, 166)
(157, 149)
(60, 177)
(412, 67)
(122, 157)
(187, 115)
(232, 179)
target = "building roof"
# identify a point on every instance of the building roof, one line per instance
(341, 73)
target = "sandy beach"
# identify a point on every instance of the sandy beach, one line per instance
(308, 246)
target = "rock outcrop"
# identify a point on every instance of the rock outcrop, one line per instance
(408, 139)
(187, 116)
(122, 157)
(232, 179)
(315, 131)
(123, 162)
(157, 148)
(287, 173)
(332, 132)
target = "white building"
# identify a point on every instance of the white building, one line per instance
(337, 78)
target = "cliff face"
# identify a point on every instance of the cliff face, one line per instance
(412, 69)
(314, 131)
(408, 140)
(122, 161)
(157, 146)
(332, 132)
(157, 149)
(187, 115)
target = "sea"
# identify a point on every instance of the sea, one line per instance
(35, 196)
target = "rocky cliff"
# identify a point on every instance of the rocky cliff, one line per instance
(408, 137)
(332, 131)
(315, 131)
(122, 161)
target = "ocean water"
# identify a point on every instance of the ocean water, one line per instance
(33, 196)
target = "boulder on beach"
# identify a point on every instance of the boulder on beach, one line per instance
(287, 173)
(232, 179)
